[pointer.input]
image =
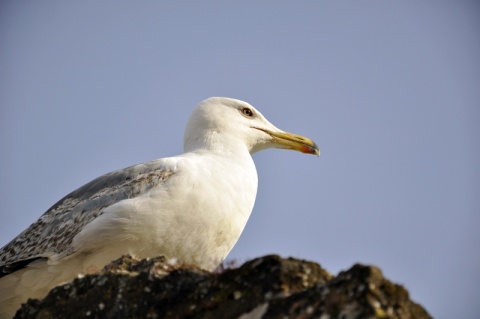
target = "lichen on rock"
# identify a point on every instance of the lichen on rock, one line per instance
(266, 287)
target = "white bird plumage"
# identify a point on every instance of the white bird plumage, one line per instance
(191, 207)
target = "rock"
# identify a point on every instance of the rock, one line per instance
(267, 287)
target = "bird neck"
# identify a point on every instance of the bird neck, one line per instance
(215, 143)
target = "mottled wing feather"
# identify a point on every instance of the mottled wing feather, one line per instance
(10, 268)
(54, 231)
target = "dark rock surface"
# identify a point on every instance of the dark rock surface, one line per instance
(267, 287)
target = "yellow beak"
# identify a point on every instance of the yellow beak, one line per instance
(292, 141)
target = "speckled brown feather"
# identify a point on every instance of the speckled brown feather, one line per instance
(54, 231)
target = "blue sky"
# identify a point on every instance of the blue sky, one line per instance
(390, 92)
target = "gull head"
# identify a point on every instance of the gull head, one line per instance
(224, 124)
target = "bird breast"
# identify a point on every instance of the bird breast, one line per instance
(196, 217)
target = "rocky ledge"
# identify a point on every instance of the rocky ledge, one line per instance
(267, 287)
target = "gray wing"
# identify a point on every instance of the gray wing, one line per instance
(54, 231)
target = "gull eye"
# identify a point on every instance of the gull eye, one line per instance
(247, 112)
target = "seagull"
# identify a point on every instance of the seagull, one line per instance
(191, 208)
